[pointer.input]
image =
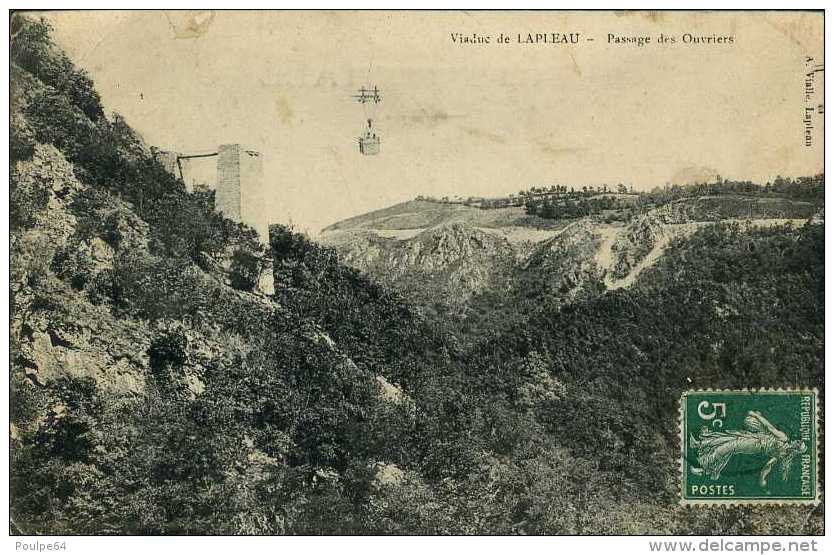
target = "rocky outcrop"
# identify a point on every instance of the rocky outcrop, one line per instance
(634, 243)
(818, 217)
(62, 327)
(57, 330)
(84, 342)
(451, 261)
(390, 392)
(387, 475)
(565, 265)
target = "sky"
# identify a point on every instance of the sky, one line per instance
(458, 119)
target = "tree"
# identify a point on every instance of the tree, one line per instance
(245, 270)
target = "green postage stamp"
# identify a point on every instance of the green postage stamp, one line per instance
(749, 447)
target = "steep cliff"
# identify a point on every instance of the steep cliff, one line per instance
(154, 387)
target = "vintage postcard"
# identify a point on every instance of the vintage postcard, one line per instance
(416, 273)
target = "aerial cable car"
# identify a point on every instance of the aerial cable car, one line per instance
(369, 140)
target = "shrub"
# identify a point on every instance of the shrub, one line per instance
(21, 138)
(32, 49)
(27, 198)
(73, 264)
(110, 232)
(103, 289)
(245, 270)
(96, 217)
(168, 351)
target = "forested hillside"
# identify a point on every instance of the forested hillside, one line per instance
(153, 392)
(156, 390)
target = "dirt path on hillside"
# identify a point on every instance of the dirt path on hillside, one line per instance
(605, 256)
(648, 261)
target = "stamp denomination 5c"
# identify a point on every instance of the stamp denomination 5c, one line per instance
(749, 447)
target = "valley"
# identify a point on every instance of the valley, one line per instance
(480, 366)
(453, 252)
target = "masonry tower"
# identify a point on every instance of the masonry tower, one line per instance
(239, 181)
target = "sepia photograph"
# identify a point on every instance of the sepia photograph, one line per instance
(417, 273)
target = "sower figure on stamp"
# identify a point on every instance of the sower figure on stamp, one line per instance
(715, 449)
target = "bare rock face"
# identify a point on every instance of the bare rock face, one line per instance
(577, 239)
(390, 392)
(47, 169)
(440, 248)
(81, 340)
(387, 475)
(70, 337)
(565, 265)
(131, 231)
(51, 358)
(451, 261)
(361, 249)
